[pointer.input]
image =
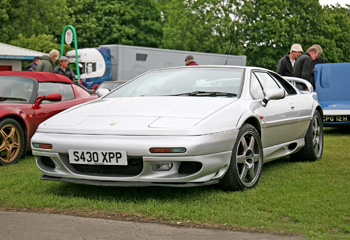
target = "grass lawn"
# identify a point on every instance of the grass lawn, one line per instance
(311, 198)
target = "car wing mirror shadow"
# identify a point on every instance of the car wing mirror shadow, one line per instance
(273, 94)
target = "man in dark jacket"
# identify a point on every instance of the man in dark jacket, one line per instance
(64, 69)
(304, 67)
(286, 64)
(318, 60)
(47, 62)
(190, 61)
(31, 67)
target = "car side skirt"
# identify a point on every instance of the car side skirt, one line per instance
(282, 150)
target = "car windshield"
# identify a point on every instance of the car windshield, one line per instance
(110, 85)
(199, 81)
(14, 89)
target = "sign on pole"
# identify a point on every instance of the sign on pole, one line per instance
(69, 35)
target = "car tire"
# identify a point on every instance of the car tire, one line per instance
(313, 149)
(246, 161)
(12, 142)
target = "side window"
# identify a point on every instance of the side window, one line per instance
(266, 80)
(90, 67)
(65, 90)
(255, 88)
(286, 85)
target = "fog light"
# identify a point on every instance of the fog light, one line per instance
(42, 145)
(162, 166)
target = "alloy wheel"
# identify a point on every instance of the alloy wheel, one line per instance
(248, 159)
(10, 141)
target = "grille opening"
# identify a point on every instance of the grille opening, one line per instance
(190, 167)
(47, 162)
(134, 167)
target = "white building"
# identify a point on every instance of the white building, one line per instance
(11, 57)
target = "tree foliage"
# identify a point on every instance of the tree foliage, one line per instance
(335, 33)
(270, 27)
(26, 18)
(130, 22)
(202, 25)
(263, 30)
(43, 43)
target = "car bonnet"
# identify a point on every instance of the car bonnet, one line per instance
(137, 114)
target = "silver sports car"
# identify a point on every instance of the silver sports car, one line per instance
(185, 126)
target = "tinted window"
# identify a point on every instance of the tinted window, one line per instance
(46, 88)
(266, 80)
(255, 88)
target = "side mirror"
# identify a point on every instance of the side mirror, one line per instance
(53, 97)
(273, 94)
(102, 91)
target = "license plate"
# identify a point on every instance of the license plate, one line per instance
(98, 157)
(336, 118)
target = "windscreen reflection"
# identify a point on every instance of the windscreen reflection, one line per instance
(172, 82)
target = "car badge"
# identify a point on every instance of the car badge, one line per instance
(113, 123)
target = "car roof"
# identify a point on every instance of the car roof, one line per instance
(39, 76)
(212, 66)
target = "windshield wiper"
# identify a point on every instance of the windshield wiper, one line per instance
(206, 93)
(12, 98)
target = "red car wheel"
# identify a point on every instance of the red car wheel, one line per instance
(11, 142)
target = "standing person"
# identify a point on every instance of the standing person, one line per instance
(190, 61)
(285, 66)
(304, 66)
(31, 67)
(318, 60)
(47, 62)
(64, 69)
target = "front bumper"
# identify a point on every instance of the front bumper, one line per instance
(336, 118)
(205, 162)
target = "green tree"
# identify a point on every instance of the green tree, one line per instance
(263, 30)
(335, 32)
(131, 22)
(26, 18)
(270, 27)
(43, 43)
(202, 25)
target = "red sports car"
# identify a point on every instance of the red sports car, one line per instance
(26, 100)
